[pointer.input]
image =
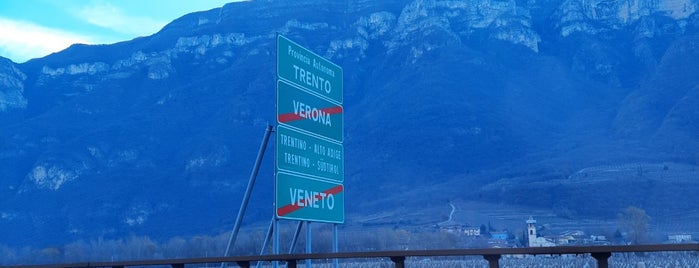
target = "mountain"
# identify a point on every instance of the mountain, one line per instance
(580, 107)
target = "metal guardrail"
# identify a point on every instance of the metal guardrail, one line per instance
(492, 255)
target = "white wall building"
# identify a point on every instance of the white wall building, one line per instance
(679, 238)
(535, 241)
(472, 231)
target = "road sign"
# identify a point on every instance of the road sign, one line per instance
(306, 69)
(300, 110)
(306, 154)
(309, 153)
(304, 199)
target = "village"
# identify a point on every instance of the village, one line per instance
(486, 235)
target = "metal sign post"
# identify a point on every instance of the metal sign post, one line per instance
(275, 243)
(336, 249)
(309, 240)
(248, 191)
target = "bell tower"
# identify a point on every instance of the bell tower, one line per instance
(531, 231)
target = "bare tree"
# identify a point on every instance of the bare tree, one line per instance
(634, 221)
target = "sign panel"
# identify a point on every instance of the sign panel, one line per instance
(304, 199)
(304, 68)
(305, 154)
(299, 109)
(309, 153)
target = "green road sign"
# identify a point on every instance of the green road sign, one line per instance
(308, 155)
(298, 109)
(299, 198)
(304, 68)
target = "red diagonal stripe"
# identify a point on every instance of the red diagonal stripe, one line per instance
(282, 211)
(288, 117)
(335, 190)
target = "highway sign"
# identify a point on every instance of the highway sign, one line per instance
(306, 69)
(298, 109)
(306, 154)
(309, 153)
(304, 199)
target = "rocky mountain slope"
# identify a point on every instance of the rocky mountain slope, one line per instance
(475, 100)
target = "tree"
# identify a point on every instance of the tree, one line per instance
(634, 221)
(484, 229)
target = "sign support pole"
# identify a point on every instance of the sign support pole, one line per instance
(248, 191)
(268, 237)
(296, 238)
(275, 243)
(308, 243)
(336, 248)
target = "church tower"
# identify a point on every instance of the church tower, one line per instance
(531, 232)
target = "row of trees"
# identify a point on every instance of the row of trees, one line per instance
(249, 243)
(633, 221)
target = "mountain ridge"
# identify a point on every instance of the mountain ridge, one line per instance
(462, 92)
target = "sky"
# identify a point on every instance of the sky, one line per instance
(36, 28)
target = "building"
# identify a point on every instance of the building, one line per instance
(500, 235)
(472, 231)
(598, 239)
(533, 239)
(450, 227)
(679, 238)
(531, 231)
(543, 242)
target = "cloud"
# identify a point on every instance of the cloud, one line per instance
(22, 41)
(111, 17)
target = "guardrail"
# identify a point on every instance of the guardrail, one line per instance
(492, 255)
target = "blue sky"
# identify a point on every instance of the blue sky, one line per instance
(35, 28)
